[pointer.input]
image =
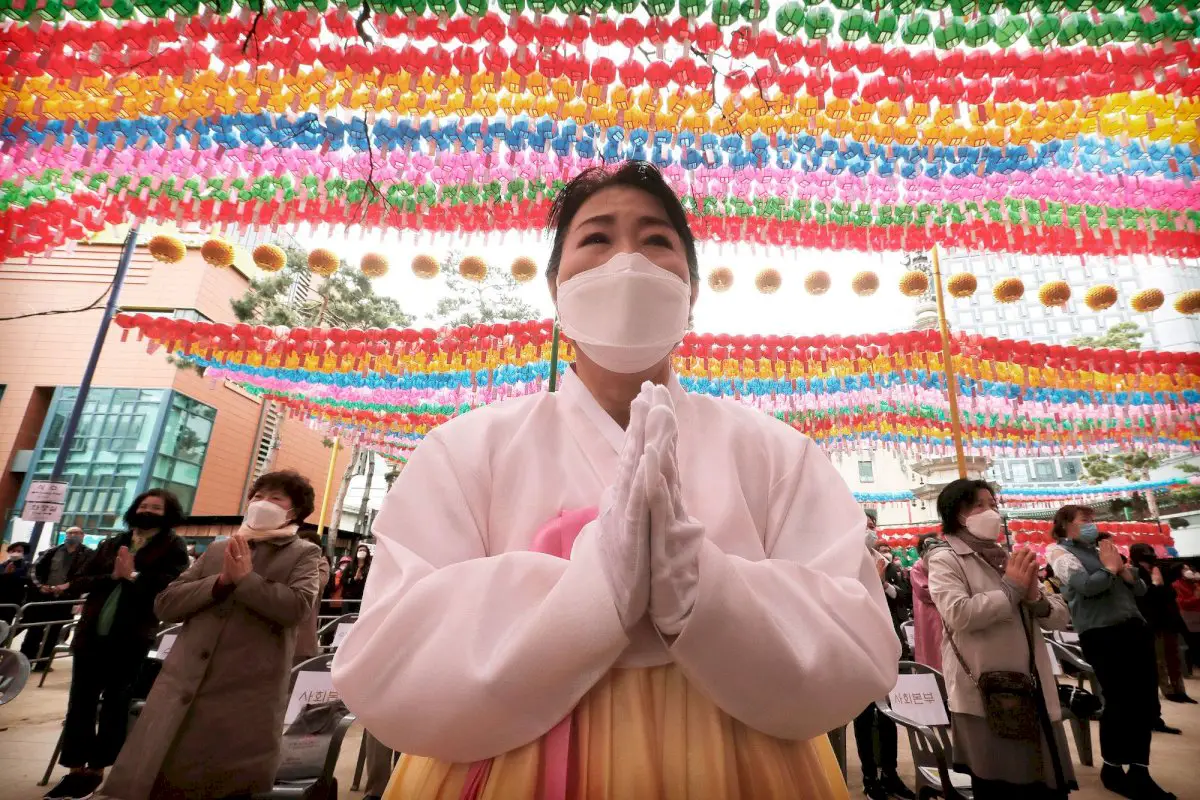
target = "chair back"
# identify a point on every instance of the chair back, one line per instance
(14, 674)
(311, 683)
(909, 629)
(919, 697)
(334, 631)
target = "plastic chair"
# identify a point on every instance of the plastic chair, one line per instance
(1074, 665)
(329, 630)
(930, 744)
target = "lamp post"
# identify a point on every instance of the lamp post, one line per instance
(85, 384)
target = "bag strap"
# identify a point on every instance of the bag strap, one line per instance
(950, 635)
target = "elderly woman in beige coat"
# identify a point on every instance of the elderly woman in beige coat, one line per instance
(994, 611)
(213, 722)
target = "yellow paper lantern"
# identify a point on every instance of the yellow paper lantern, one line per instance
(217, 253)
(473, 268)
(1147, 300)
(524, 269)
(1101, 297)
(817, 282)
(1054, 294)
(720, 279)
(166, 249)
(323, 262)
(1188, 302)
(865, 283)
(425, 267)
(962, 284)
(374, 265)
(768, 280)
(269, 258)
(1008, 290)
(914, 283)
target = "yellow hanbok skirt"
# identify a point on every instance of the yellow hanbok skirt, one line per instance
(646, 733)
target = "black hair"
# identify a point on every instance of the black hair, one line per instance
(1141, 551)
(639, 175)
(22, 546)
(955, 497)
(172, 509)
(1065, 516)
(924, 540)
(294, 485)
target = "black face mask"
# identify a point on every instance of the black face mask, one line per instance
(146, 521)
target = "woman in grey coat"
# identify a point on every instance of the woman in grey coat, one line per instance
(994, 612)
(213, 722)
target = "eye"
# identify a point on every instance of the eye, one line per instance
(659, 240)
(594, 238)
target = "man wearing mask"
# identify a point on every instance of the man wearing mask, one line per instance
(14, 573)
(1159, 608)
(50, 580)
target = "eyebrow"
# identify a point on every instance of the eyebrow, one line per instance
(643, 221)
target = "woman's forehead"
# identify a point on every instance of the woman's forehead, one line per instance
(619, 204)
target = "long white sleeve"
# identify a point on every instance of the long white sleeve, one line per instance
(797, 644)
(459, 655)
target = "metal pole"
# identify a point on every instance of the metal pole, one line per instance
(948, 366)
(110, 308)
(554, 359)
(337, 443)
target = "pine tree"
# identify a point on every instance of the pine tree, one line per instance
(1122, 336)
(494, 299)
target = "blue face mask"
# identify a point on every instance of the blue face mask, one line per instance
(1089, 533)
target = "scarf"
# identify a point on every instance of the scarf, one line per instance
(253, 535)
(991, 552)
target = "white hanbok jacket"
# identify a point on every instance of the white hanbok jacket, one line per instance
(468, 645)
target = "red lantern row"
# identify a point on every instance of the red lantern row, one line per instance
(288, 39)
(1038, 532)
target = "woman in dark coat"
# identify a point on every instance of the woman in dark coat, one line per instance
(213, 722)
(354, 577)
(115, 631)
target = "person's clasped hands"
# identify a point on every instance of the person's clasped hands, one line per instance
(1021, 571)
(649, 545)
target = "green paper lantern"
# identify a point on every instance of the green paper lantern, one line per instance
(443, 7)
(1074, 30)
(509, 6)
(934, 5)
(474, 8)
(659, 8)
(980, 33)
(853, 26)
(1020, 6)
(904, 6)
(692, 9)
(884, 28)
(755, 10)
(1149, 32)
(415, 8)
(844, 5)
(726, 12)
(1043, 31)
(1010, 31)
(916, 29)
(818, 22)
(789, 19)
(624, 6)
(949, 35)
(89, 10)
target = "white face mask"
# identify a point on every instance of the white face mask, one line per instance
(984, 525)
(626, 315)
(263, 515)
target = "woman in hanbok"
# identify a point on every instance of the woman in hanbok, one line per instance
(618, 589)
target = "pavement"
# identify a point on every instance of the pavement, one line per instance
(30, 725)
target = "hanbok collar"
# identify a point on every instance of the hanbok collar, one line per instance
(574, 390)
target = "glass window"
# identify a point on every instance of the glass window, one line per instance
(182, 448)
(1072, 469)
(1020, 472)
(1043, 470)
(866, 472)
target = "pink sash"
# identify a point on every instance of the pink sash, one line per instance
(555, 538)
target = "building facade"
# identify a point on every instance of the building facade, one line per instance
(147, 422)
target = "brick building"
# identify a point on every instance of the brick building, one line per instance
(147, 422)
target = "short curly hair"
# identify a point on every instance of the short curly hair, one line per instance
(294, 485)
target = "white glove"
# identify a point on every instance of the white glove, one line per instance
(675, 540)
(623, 532)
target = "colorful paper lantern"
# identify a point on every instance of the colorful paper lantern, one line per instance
(1101, 297)
(217, 253)
(1188, 302)
(720, 279)
(374, 265)
(865, 283)
(914, 283)
(269, 258)
(524, 269)
(1008, 290)
(323, 262)
(768, 280)
(1054, 294)
(962, 284)
(425, 267)
(1147, 301)
(473, 268)
(166, 249)
(817, 282)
